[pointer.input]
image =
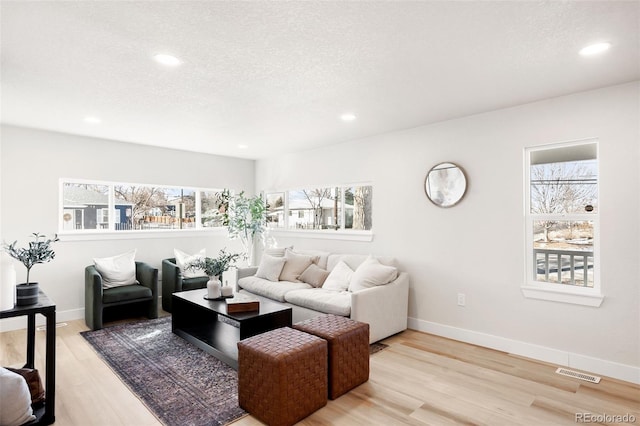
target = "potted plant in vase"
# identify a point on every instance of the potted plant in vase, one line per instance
(38, 251)
(214, 267)
(245, 218)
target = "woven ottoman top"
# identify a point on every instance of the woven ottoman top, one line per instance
(280, 342)
(330, 326)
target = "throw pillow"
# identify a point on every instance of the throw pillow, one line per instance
(184, 259)
(372, 273)
(270, 267)
(295, 265)
(117, 270)
(15, 399)
(314, 275)
(338, 278)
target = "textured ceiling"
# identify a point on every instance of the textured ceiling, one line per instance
(276, 76)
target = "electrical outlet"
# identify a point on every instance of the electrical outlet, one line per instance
(462, 299)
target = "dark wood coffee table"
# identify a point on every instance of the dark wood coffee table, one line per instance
(206, 323)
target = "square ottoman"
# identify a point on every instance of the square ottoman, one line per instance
(282, 375)
(348, 342)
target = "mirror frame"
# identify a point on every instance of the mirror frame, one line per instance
(463, 175)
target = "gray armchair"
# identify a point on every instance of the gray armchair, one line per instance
(138, 298)
(173, 282)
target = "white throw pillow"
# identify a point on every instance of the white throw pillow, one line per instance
(372, 273)
(338, 278)
(277, 252)
(295, 265)
(270, 267)
(118, 270)
(184, 259)
(15, 399)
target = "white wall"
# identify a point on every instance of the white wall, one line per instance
(32, 163)
(477, 247)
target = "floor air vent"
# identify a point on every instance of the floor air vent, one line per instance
(578, 375)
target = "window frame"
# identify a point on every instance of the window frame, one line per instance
(112, 233)
(341, 233)
(572, 294)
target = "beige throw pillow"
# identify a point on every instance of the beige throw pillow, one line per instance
(184, 259)
(270, 267)
(118, 270)
(15, 399)
(372, 273)
(339, 277)
(314, 275)
(295, 265)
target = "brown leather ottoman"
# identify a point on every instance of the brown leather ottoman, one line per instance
(282, 375)
(348, 350)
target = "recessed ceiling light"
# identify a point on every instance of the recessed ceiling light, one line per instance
(92, 120)
(594, 49)
(168, 60)
(243, 146)
(347, 117)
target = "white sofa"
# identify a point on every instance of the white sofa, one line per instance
(383, 307)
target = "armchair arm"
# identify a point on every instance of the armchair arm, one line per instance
(385, 307)
(92, 297)
(147, 276)
(171, 282)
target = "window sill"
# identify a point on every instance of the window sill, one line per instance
(138, 235)
(576, 296)
(324, 234)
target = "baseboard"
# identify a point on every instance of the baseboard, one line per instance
(17, 323)
(598, 366)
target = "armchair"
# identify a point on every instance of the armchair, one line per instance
(173, 282)
(97, 299)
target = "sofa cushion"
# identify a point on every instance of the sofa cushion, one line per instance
(338, 278)
(270, 267)
(322, 256)
(372, 273)
(273, 290)
(184, 259)
(314, 275)
(117, 270)
(276, 252)
(295, 265)
(322, 300)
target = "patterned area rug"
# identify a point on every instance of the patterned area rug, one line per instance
(179, 383)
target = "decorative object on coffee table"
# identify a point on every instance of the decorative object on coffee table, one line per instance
(214, 267)
(241, 302)
(38, 251)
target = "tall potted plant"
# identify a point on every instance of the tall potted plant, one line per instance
(38, 251)
(245, 218)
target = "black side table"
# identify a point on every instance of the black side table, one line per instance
(44, 415)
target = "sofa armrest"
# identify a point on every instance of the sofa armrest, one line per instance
(247, 272)
(385, 308)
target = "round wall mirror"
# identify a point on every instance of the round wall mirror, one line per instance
(445, 184)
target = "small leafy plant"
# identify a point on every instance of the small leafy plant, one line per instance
(38, 251)
(215, 266)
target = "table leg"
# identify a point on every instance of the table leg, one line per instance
(31, 340)
(50, 378)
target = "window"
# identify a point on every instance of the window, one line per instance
(91, 206)
(330, 208)
(561, 222)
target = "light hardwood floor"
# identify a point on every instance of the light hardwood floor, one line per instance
(420, 379)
